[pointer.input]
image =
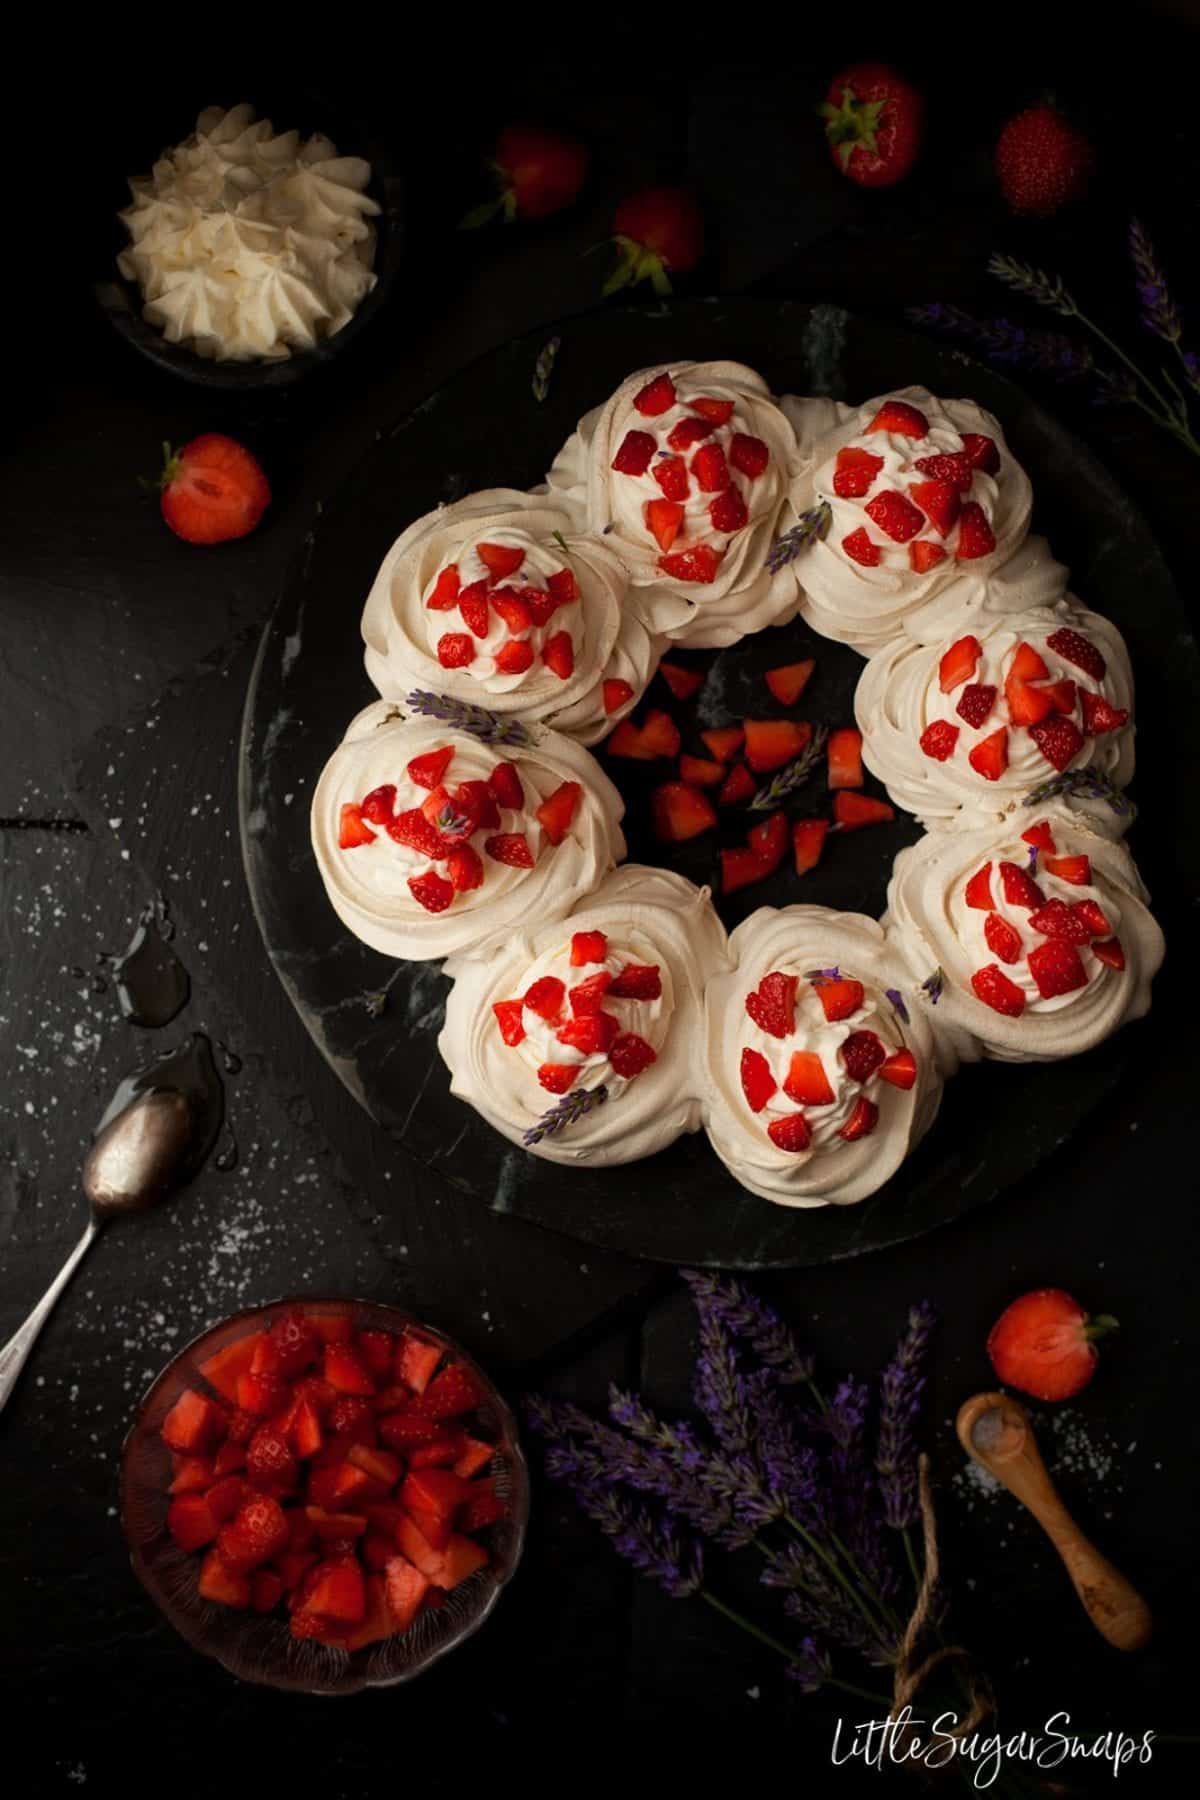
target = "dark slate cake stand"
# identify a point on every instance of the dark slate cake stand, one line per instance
(484, 429)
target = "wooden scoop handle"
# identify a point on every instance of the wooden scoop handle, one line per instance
(995, 1430)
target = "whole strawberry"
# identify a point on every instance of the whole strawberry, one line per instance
(1042, 162)
(874, 121)
(212, 490)
(537, 173)
(1045, 1344)
(658, 233)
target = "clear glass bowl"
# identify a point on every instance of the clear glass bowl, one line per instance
(257, 1647)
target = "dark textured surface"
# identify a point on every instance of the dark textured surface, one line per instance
(128, 653)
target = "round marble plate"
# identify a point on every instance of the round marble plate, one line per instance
(377, 1022)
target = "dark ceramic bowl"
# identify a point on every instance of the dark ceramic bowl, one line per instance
(260, 1647)
(121, 300)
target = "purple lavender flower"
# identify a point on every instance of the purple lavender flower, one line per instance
(1033, 859)
(900, 1399)
(720, 1391)
(852, 1482)
(810, 1667)
(819, 1603)
(1159, 312)
(897, 1000)
(791, 1470)
(1008, 345)
(754, 1323)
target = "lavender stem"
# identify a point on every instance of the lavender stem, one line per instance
(774, 1643)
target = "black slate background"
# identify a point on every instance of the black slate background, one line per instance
(123, 659)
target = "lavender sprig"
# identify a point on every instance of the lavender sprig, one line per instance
(1159, 312)
(1009, 345)
(822, 977)
(810, 1667)
(1034, 284)
(933, 985)
(1083, 784)
(853, 1483)
(754, 1322)
(649, 1545)
(901, 1386)
(567, 1111)
(816, 1601)
(1032, 859)
(543, 368)
(463, 715)
(897, 1000)
(785, 783)
(810, 526)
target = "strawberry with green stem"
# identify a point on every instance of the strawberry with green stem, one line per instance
(658, 233)
(537, 172)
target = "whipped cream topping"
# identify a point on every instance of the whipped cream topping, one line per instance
(685, 472)
(815, 946)
(933, 921)
(898, 561)
(919, 740)
(541, 629)
(247, 243)
(649, 918)
(368, 882)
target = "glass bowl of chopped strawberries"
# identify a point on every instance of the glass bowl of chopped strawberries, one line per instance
(325, 1495)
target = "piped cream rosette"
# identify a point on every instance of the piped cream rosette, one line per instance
(1040, 931)
(497, 600)
(962, 728)
(922, 493)
(431, 842)
(821, 1069)
(612, 997)
(685, 472)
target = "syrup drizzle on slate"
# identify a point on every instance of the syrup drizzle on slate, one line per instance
(152, 984)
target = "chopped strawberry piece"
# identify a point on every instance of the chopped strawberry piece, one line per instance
(475, 1455)
(844, 753)
(379, 806)
(588, 947)
(227, 1496)
(940, 502)
(1059, 740)
(256, 1532)
(558, 1078)
(190, 1474)
(788, 682)
(853, 811)
(630, 1054)
(405, 1587)
(739, 868)
(558, 654)
(514, 656)
(718, 411)
(671, 474)
(808, 841)
(1040, 836)
(480, 1509)
(689, 431)
(1099, 716)
(1093, 917)
(770, 840)
(633, 457)
(659, 736)
(758, 1083)
(352, 831)
(770, 743)
(953, 466)
(473, 605)
(924, 554)
(1073, 647)
(194, 1424)
(305, 1429)
(1063, 696)
(637, 981)
(700, 564)
(1020, 889)
(224, 1369)
(975, 535)
(589, 996)
(699, 773)
(261, 1395)
(772, 1004)
(190, 1521)
(505, 785)
(337, 1592)
(500, 559)
(680, 812)
(939, 739)
(976, 702)
(1027, 705)
(979, 889)
(444, 594)
(510, 848)
(989, 757)
(591, 1033)
(1026, 664)
(992, 986)
(793, 1133)
(958, 664)
(664, 520)
(749, 455)
(513, 609)
(546, 997)
(738, 787)
(563, 586)
(900, 1069)
(806, 1081)
(840, 997)
(862, 1053)
(1056, 968)
(443, 1453)
(539, 605)
(1074, 869)
(269, 1459)
(221, 1584)
(900, 419)
(402, 1429)
(344, 1371)
(862, 1120)
(724, 741)
(266, 1591)
(728, 511)
(616, 694)
(414, 829)
(895, 516)
(1110, 952)
(683, 683)
(431, 891)
(555, 813)
(1058, 920)
(981, 452)
(656, 398)
(1003, 939)
(855, 472)
(449, 1394)
(455, 650)
(710, 469)
(464, 867)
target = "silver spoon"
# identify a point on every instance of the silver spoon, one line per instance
(131, 1165)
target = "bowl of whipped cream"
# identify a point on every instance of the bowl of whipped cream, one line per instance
(249, 256)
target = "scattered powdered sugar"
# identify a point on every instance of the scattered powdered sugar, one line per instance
(1080, 1455)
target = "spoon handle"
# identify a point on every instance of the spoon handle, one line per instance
(14, 1354)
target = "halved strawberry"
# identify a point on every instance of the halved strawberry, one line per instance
(558, 1078)
(853, 811)
(683, 683)
(212, 490)
(680, 812)
(256, 1532)
(981, 452)
(505, 785)
(1040, 836)
(379, 806)
(900, 419)
(958, 663)
(724, 741)
(792, 1133)
(405, 1587)
(772, 1004)
(1075, 869)
(1073, 647)
(992, 986)
(899, 1070)
(749, 455)
(443, 596)
(426, 771)
(728, 512)
(700, 564)
(1003, 939)
(979, 889)
(510, 848)
(1059, 740)
(455, 650)
(808, 841)
(854, 472)
(989, 757)
(939, 739)
(500, 560)
(671, 474)
(738, 786)
(634, 453)
(840, 997)
(353, 832)
(711, 469)
(190, 1521)
(590, 1033)
(664, 519)
(976, 702)
(1109, 952)
(510, 607)
(699, 773)
(637, 981)
(555, 813)
(221, 1584)
(940, 502)
(975, 535)
(431, 891)
(895, 516)
(862, 1053)
(862, 1120)
(806, 1081)
(473, 606)
(1099, 716)
(1044, 1344)
(546, 997)
(770, 743)
(844, 755)
(924, 554)
(558, 654)
(630, 1054)
(1027, 705)
(656, 398)
(1020, 889)
(953, 466)
(770, 840)
(789, 681)
(758, 1083)
(514, 656)
(739, 868)
(616, 694)
(860, 549)
(1056, 968)
(588, 947)
(415, 830)
(194, 1425)
(689, 431)
(464, 869)
(563, 587)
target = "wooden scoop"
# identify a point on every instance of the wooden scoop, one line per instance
(996, 1431)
